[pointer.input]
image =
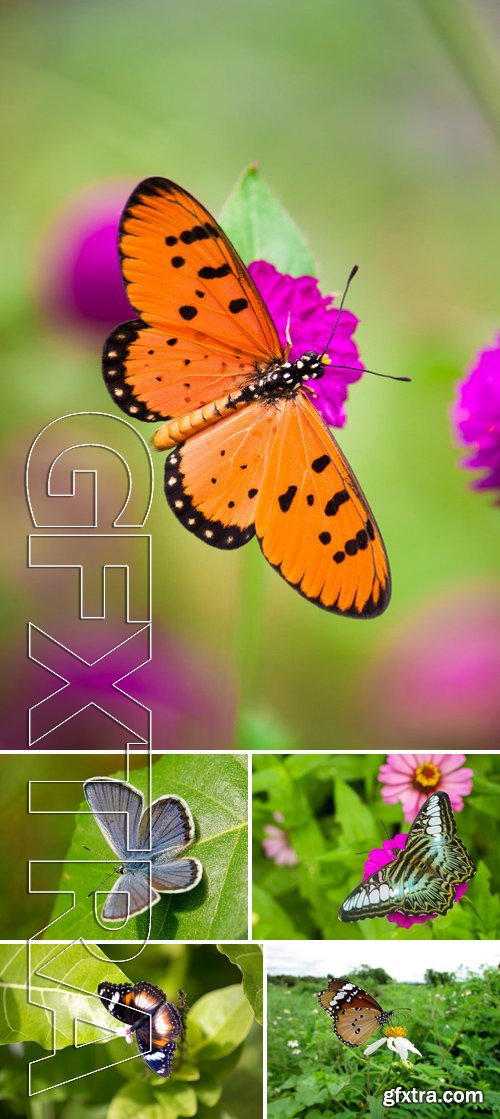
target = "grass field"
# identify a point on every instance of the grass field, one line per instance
(454, 1024)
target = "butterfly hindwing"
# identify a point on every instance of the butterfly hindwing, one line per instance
(213, 480)
(313, 523)
(275, 469)
(203, 326)
(355, 1014)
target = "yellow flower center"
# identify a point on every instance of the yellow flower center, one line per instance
(395, 1031)
(427, 776)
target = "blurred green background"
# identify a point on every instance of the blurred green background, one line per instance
(374, 130)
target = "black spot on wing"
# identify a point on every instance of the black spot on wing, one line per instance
(197, 233)
(170, 241)
(188, 312)
(334, 504)
(212, 531)
(285, 499)
(178, 262)
(320, 464)
(210, 273)
(237, 305)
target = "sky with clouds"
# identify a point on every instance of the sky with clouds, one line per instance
(403, 960)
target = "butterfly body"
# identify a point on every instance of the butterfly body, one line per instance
(277, 381)
(252, 455)
(145, 1011)
(150, 842)
(422, 880)
(355, 1014)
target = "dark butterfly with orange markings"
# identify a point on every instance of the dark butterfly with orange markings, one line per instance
(356, 1015)
(145, 1012)
(253, 456)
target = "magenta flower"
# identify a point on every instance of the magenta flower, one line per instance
(382, 856)
(476, 416)
(312, 319)
(277, 845)
(411, 778)
(80, 281)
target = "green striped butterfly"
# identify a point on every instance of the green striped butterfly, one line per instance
(422, 879)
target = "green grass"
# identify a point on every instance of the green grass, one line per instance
(454, 1025)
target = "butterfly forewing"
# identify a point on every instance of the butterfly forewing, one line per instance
(167, 824)
(355, 1014)
(117, 808)
(203, 328)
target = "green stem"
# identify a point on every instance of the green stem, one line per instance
(40, 1109)
(248, 635)
(466, 45)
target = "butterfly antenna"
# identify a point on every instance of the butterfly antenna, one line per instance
(350, 278)
(354, 368)
(96, 891)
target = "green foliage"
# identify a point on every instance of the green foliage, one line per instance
(437, 978)
(261, 229)
(248, 957)
(215, 788)
(455, 1028)
(220, 1059)
(334, 815)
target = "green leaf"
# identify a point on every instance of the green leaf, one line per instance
(355, 819)
(261, 229)
(218, 1023)
(64, 978)
(248, 957)
(270, 920)
(215, 788)
(137, 1098)
(376, 1108)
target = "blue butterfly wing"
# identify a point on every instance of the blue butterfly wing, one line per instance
(176, 877)
(130, 895)
(117, 808)
(166, 826)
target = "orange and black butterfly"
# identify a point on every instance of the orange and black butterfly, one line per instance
(252, 454)
(355, 1014)
(156, 1023)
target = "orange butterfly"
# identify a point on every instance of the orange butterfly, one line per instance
(356, 1015)
(253, 454)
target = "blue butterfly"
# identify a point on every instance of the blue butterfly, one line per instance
(148, 843)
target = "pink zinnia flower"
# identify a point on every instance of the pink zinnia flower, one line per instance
(411, 778)
(476, 416)
(382, 856)
(312, 318)
(277, 845)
